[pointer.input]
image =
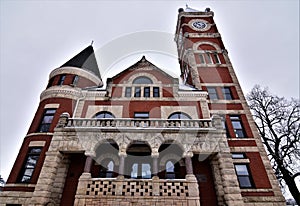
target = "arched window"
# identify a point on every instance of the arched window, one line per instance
(107, 169)
(102, 115)
(142, 80)
(179, 115)
(170, 170)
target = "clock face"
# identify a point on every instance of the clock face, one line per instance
(199, 24)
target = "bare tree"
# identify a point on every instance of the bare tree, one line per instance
(278, 122)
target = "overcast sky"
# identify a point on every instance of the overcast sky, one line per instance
(262, 38)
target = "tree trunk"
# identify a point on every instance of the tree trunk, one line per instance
(290, 181)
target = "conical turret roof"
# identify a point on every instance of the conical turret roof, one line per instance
(85, 60)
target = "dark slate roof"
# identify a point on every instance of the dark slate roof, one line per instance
(86, 60)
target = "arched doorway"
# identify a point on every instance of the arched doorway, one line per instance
(138, 164)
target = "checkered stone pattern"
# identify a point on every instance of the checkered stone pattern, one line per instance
(137, 188)
(177, 189)
(102, 188)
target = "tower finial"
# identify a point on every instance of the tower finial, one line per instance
(92, 42)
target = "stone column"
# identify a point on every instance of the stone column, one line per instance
(188, 165)
(154, 164)
(88, 164)
(122, 164)
(194, 197)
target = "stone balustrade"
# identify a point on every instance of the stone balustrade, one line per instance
(128, 123)
(102, 190)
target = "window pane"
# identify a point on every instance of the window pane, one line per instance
(104, 115)
(134, 170)
(155, 91)
(239, 133)
(227, 93)
(238, 156)
(179, 115)
(75, 80)
(170, 166)
(216, 57)
(137, 92)
(244, 181)
(146, 171)
(128, 92)
(147, 92)
(236, 125)
(62, 79)
(241, 170)
(212, 93)
(142, 80)
(141, 115)
(201, 57)
(208, 58)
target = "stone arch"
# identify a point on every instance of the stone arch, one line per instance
(168, 157)
(114, 157)
(216, 46)
(145, 74)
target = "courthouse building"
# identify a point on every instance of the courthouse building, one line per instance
(147, 138)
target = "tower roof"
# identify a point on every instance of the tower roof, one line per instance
(85, 60)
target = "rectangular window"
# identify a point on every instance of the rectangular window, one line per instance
(137, 92)
(202, 60)
(61, 79)
(46, 120)
(208, 58)
(238, 156)
(75, 80)
(237, 126)
(146, 91)
(227, 93)
(216, 58)
(30, 164)
(143, 115)
(212, 93)
(128, 92)
(155, 91)
(243, 175)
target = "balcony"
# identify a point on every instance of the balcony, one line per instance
(132, 191)
(139, 124)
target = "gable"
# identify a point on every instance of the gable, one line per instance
(140, 69)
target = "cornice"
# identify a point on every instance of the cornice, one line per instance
(78, 71)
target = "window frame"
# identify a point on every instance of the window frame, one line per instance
(178, 113)
(75, 80)
(26, 165)
(212, 94)
(128, 91)
(61, 79)
(208, 58)
(237, 119)
(226, 91)
(240, 176)
(137, 92)
(111, 115)
(144, 115)
(216, 58)
(146, 91)
(156, 92)
(46, 124)
(141, 80)
(202, 58)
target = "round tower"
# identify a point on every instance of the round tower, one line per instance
(62, 94)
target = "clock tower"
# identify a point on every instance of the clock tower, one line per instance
(205, 65)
